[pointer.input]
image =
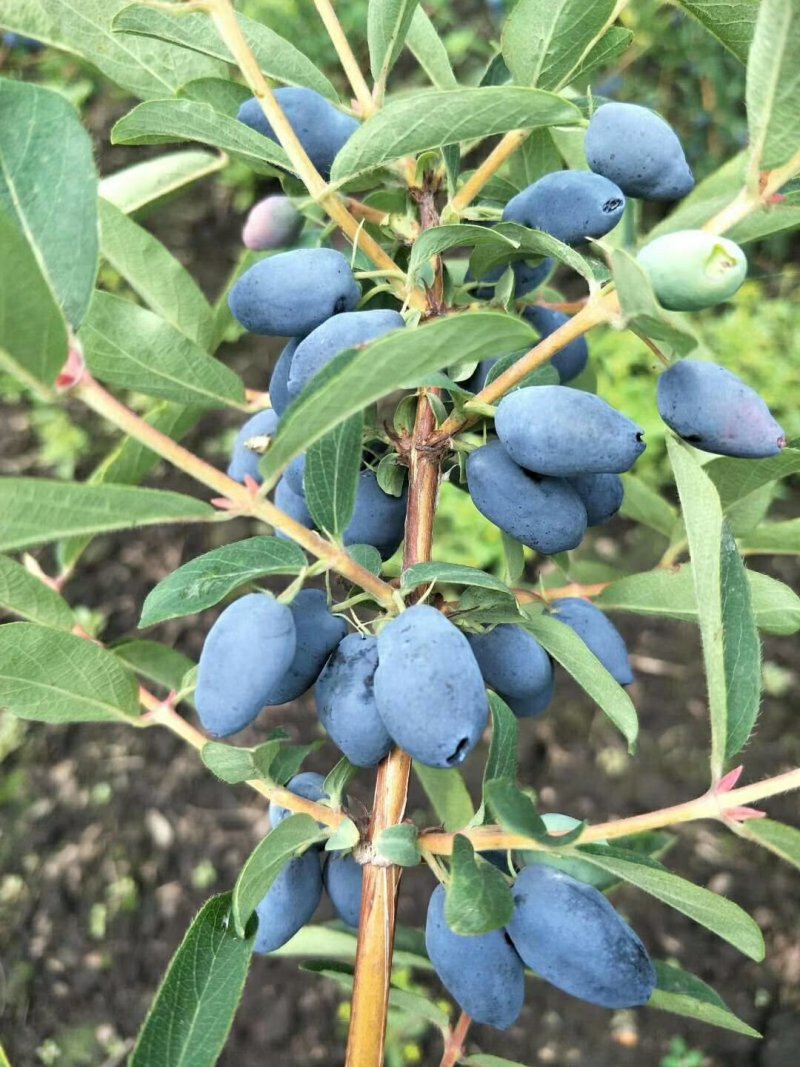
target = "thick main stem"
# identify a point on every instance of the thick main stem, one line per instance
(247, 503)
(379, 901)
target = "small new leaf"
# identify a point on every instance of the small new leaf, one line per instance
(398, 844)
(478, 898)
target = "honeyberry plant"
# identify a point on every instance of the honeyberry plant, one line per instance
(406, 364)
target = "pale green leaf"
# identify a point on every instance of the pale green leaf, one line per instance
(732, 22)
(33, 332)
(773, 84)
(330, 478)
(783, 840)
(737, 478)
(641, 312)
(478, 898)
(358, 377)
(35, 511)
(277, 57)
(58, 677)
(731, 650)
(773, 538)
(206, 580)
(131, 347)
(684, 994)
(23, 594)
(168, 121)
(189, 1021)
(411, 124)
(426, 45)
(448, 794)
(83, 28)
(398, 844)
(153, 180)
(290, 838)
(448, 574)
(544, 41)
(159, 663)
(564, 645)
(388, 22)
(645, 505)
(154, 274)
(48, 187)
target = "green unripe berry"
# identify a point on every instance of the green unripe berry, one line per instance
(692, 269)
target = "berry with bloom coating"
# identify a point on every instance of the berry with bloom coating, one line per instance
(273, 222)
(571, 205)
(598, 633)
(318, 633)
(244, 460)
(290, 902)
(346, 701)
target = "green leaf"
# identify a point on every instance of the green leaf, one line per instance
(155, 275)
(494, 246)
(57, 677)
(291, 837)
(153, 180)
(127, 345)
(398, 844)
(416, 122)
(783, 840)
(737, 478)
(223, 95)
(189, 1021)
(513, 809)
(167, 121)
(716, 913)
(131, 461)
(671, 594)
(544, 41)
(448, 795)
(155, 661)
(484, 1060)
(641, 312)
(83, 28)
(388, 22)
(366, 556)
(33, 332)
(358, 377)
(773, 538)
(564, 645)
(645, 505)
(35, 511)
(684, 994)
(344, 837)
(277, 57)
(478, 898)
(426, 45)
(501, 762)
(205, 581)
(773, 81)
(286, 762)
(731, 650)
(609, 48)
(229, 763)
(536, 157)
(48, 186)
(732, 22)
(337, 781)
(331, 475)
(324, 940)
(448, 574)
(23, 594)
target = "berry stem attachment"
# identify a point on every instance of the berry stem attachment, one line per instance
(454, 1047)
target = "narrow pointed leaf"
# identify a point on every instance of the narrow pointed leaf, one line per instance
(129, 346)
(190, 1019)
(277, 57)
(331, 475)
(207, 579)
(448, 794)
(289, 838)
(155, 275)
(57, 677)
(358, 377)
(564, 645)
(168, 121)
(154, 661)
(153, 180)
(35, 511)
(48, 187)
(732, 22)
(21, 593)
(544, 41)
(783, 840)
(414, 123)
(773, 81)
(684, 994)
(427, 47)
(387, 25)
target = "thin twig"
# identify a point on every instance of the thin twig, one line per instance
(348, 60)
(493, 162)
(454, 1048)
